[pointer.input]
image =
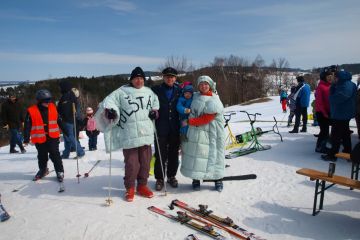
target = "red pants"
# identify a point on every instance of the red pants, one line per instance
(283, 105)
(137, 165)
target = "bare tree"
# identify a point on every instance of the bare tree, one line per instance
(279, 68)
(181, 64)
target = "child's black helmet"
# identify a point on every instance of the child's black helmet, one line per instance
(43, 94)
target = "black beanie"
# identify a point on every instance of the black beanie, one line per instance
(300, 79)
(137, 72)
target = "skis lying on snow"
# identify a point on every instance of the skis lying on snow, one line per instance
(234, 178)
(203, 212)
(4, 215)
(186, 220)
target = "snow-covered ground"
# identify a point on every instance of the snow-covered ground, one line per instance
(276, 205)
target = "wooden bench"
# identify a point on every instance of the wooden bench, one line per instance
(321, 178)
(354, 166)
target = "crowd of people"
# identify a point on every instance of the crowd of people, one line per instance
(337, 101)
(133, 118)
(171, 117)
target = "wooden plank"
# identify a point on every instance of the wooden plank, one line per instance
(342, 155)
(314, 174)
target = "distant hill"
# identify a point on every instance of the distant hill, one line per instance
(354, 68)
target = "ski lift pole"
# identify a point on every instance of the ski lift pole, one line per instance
(75, 141)
(160, 158)
(109, 200)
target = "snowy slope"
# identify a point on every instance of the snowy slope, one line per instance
(277, 205)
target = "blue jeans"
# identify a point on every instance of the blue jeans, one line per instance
(15, 138)
(70, 141)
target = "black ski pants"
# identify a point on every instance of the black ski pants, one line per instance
(324, 124)
(340, 133)
(300, 111)
(169, 147)
(50, 148)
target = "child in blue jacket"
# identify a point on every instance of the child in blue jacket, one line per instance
(183, 107)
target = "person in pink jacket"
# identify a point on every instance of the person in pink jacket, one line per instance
(322, 108)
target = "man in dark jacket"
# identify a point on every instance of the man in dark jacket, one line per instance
(357, 117)
(13, 120)
(168, 129)
(342, 109)
(302, 98)
(68, 106)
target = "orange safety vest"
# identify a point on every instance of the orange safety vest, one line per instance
(37, 133)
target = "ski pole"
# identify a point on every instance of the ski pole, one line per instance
(87, 174)
(109, 200)
(75, 141)
(161, 162)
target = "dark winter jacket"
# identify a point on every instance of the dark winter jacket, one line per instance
(12, 114)
(358, 102)
(45, 117)
(343, 97)
(65, 107)
(168, 121)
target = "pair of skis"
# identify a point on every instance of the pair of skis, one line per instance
(185, 219)
(204, 221)
(226, 224)
(61, 184)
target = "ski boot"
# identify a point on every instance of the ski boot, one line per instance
(40, 174)
(60, 176)
(159, 184)
(130, 194)
(219, 185)
(144, 191)
(173, 182)
(196, 185)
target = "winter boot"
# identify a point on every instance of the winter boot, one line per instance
(60, 176)
(294, 131)
(303, 129)
(22, 149)
(159, 184)
(13, 151)
(144, 191)
(196, 185)
(130, 194)
(40, 174)
(173, 182)
(219, 185)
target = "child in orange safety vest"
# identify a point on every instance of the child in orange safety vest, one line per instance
(42, 126)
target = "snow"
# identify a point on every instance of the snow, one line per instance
(276, 205)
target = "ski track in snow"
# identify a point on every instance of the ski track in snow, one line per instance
(276, 205)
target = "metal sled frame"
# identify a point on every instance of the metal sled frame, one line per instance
(230, 141)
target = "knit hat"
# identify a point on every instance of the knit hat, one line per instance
(343, 75)
(208, 80)
(169, 71)
(65, 86)
(188, 88)
(89, 110)
(137, 72)
(300, 79)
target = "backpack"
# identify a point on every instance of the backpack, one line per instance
(91, 124)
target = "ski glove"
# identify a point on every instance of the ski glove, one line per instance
(110, 114)
(153, 114)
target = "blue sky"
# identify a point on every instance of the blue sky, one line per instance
(43, 39)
